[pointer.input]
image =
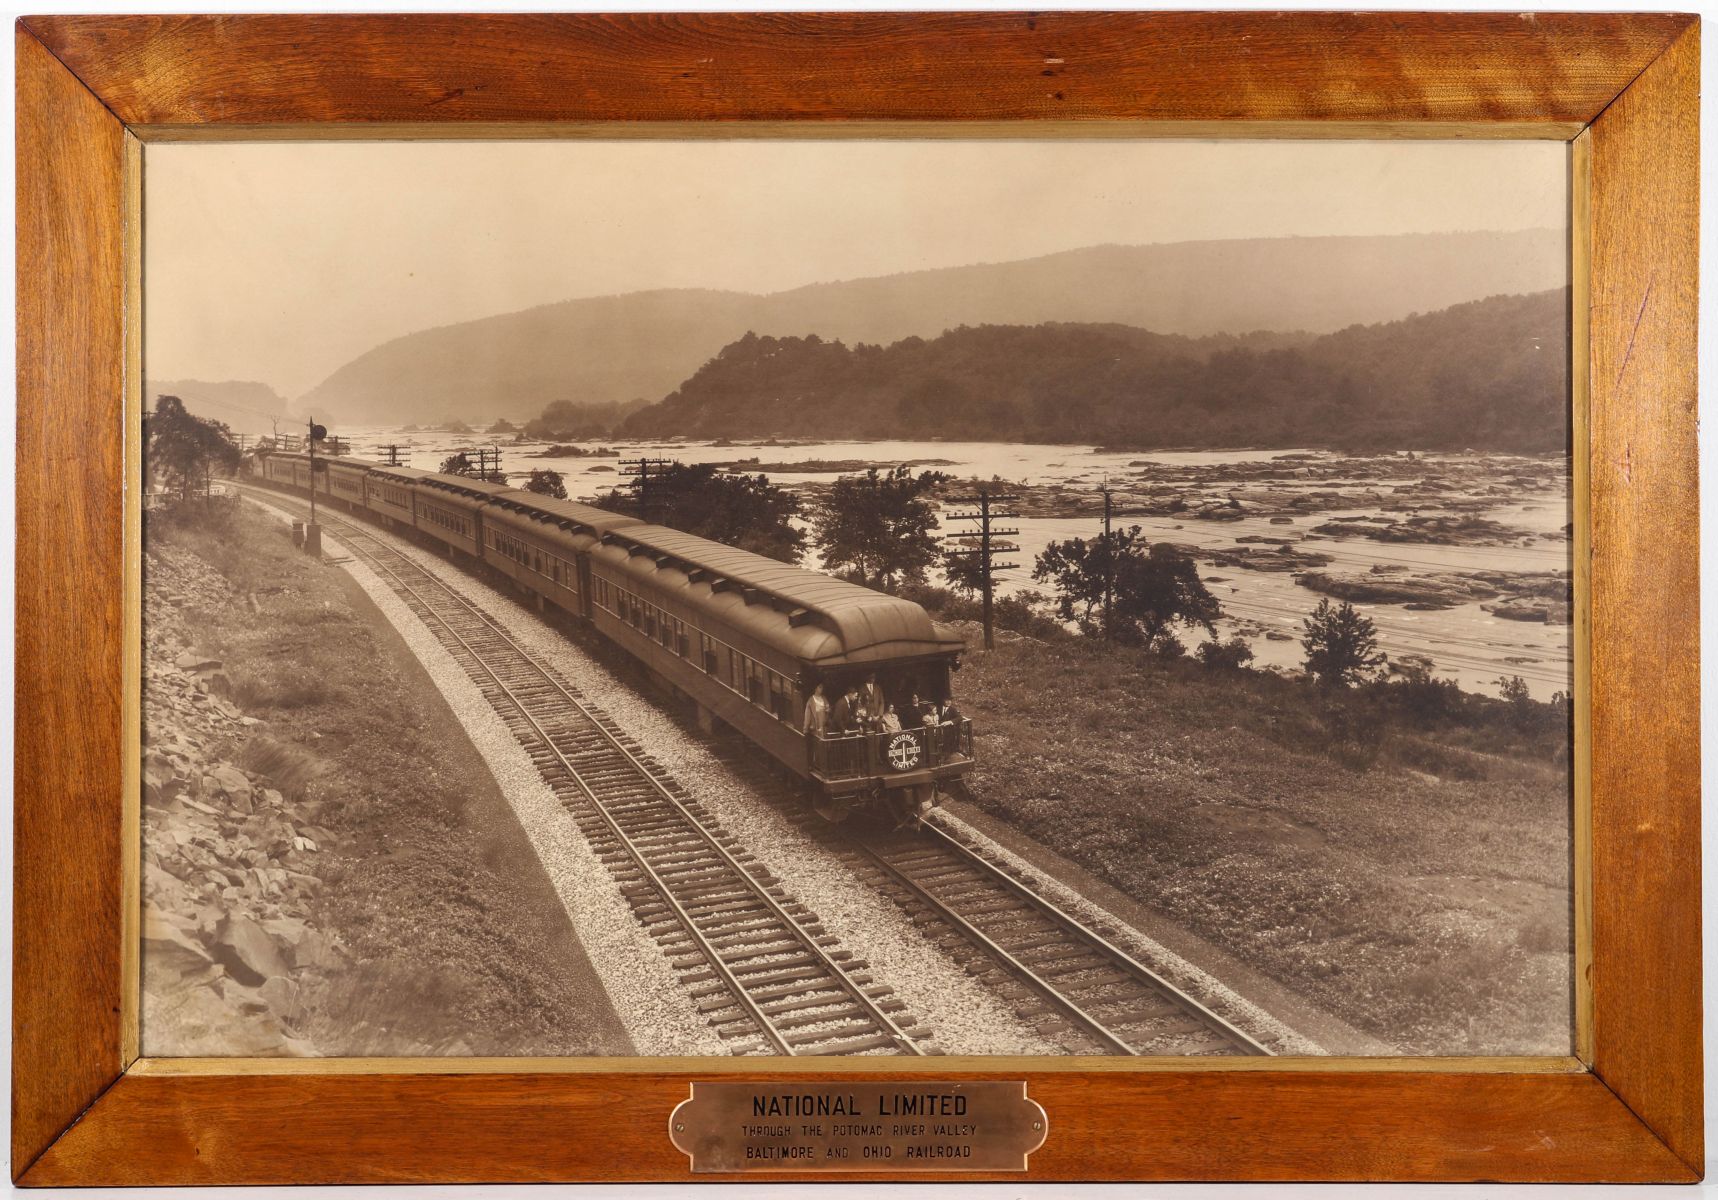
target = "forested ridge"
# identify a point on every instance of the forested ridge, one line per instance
(1490, 374)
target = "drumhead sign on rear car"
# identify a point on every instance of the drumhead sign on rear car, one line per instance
(904, 752)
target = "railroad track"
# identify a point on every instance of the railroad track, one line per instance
(759, 965)
(1085, 983)
(1074, 982)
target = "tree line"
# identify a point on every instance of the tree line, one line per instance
(1491, 374)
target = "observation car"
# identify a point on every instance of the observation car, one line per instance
(748, 638)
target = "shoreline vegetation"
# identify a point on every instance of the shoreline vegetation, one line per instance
(331, 869)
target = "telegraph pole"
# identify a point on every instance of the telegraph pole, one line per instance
(393, 453)
(638, 471)
(1109, 564)
(489, 463)
(989, 546)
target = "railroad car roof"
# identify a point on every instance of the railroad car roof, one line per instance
(579, 525)
(464, 485)
(568, 514)
(807, 614)
(406, 474)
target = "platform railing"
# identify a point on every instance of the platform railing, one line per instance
(863, 755)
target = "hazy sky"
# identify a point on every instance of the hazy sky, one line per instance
(280, 262)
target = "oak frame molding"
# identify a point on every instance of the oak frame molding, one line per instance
(1623, 89)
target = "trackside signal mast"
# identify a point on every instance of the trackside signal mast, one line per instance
(313, 531)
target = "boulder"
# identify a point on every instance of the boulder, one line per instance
(228, 781)
(316, 951)
(281, 994)
(169, 949)
(247, 951)
(195, 660)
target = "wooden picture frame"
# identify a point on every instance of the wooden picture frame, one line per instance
(1622, 89)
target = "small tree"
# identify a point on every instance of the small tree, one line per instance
(1230, 655)
(184, 450)
(1341, 645)
(964, 571)
(461, 464)
(545, 482)
(745, 511)
(878, 526)
(1151, 588)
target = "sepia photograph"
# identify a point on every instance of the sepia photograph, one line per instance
(715, 596)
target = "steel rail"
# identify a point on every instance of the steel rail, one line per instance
(1082, 933)
(766, 1027)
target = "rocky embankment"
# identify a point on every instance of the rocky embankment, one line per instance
(231, 943)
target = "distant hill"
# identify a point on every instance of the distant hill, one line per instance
(1489, 374)
(616, 349)
(243, 404)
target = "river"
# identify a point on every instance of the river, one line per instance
(1466, 642)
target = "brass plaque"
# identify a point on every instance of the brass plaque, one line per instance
(970, 1125)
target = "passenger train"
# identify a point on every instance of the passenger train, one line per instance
(743, 637)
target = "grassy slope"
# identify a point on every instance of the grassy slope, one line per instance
(461, 942)
(1431, 912)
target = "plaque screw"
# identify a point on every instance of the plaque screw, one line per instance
(1037, 1125)
(679, 1127)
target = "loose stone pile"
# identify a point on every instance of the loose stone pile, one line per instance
(231, 949)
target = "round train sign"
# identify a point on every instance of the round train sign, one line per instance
(904, 752)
